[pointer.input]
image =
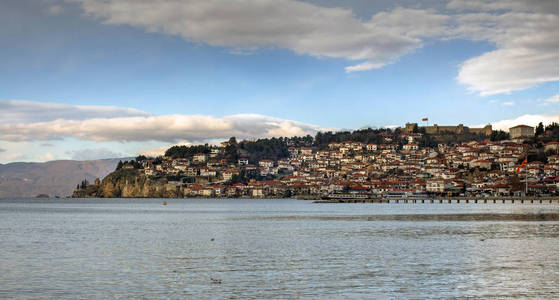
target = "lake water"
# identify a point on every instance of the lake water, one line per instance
(139, 248)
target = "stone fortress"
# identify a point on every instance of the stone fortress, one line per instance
(460, 129)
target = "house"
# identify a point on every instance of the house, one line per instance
(215, 152)
(228, 174)
(207, 192)
(500, 189)
(534, 171)
(356, 146)
(371, 147)
(552, 146)
(240, 188)
(266, 163)
(191, 171)
(264, 171)
(199, 158)
(553, 159)
(495, 148)
(410, 147)
(206, 172)
(306, 151)
(480, 163)
(193, 190)
(334, 145)
(437, 186)
(242, 161)
(293, 151)
(549, 171)
(257, 192)
(231, 192)
(219, 190)
(128, 166)
(150, 171)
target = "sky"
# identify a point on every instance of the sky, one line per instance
(92, 79)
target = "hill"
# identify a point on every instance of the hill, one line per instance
(53, 178)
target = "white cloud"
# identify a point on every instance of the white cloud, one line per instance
(47, 156)
(553, 99)
(2, 150)
(529, 119)
(22, 111)
(54, 10)
(545, 6)
(526, 40)
(166, 128)
(13, 156)
(92, 154)
(509, 103)
(156, 151)
(415, 23)
(301, 27)
(523, 32)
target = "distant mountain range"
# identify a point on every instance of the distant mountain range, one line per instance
(53, 178)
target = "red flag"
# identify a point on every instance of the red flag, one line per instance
(522, 165)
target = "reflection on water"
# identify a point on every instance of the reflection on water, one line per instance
(138, 248)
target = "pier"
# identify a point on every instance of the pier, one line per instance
(447, 200)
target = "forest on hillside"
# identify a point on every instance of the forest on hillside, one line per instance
(277, 148)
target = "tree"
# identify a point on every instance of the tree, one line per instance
(230, 152)
(136, 164)
(158, 160)
(141, 158)
(84, 184)
(119, 165)
(499, 135)
(186, 151)
(539, 129)
(232, 141)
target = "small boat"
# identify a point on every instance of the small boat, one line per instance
(164, 202)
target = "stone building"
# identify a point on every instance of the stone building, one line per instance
(521, 131)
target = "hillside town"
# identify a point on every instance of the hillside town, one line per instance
(397, 166)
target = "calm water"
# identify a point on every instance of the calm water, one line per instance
(138, 248)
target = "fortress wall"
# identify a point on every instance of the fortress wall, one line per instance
(487, 130)
(436, 129)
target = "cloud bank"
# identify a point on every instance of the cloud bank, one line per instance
(524, 33)
(553, 99)
(96, 124)
(528, 119)
(301, 27)
(23, 111)
(92, 154)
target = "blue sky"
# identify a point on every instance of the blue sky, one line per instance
(185, 72)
